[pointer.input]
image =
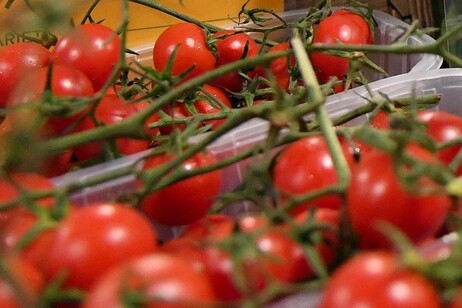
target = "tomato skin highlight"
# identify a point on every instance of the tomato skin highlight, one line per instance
(16, 60)
(376, 279)
(163, 280)
(305, 166)
(341, 27)
(93, 49)
(187, 200)
(188, 40)
(233, 46)
(376, 195)
(93, 239)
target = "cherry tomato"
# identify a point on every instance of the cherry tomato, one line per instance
(159, 280)
(189, 43)
(169, 205)
(66, 81)
(233, 46)
(13, 231)
(376, 194)
(209, 100)
(341, 27)
(111, 109)
(304, 166)
(12, 186)
(443, 126)
(24, 285)
(16, 60)
(280, 68)
(92, 239)
(377, 279)
(151, 119)
(214, 227)
(92, 48)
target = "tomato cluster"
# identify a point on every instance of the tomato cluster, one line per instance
(316, 223)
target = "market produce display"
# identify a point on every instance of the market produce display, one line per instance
(348, 208)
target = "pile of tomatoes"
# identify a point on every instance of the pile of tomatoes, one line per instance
(311, 230)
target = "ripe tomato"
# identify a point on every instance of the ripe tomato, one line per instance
(92, 48)
(189, 42)
(11, 188)
(214, 227)
(187, 200)
(443, 126)
(92, 239)
(16, 60)
(377, 279)
(280, 68)
(210, 99)
(151, 119)
(233, 46)
(341, 27)
(305, 166)
(66, 81)
(111, 109)
(159, 280)
(376, 194)
(24, 285)
(13, 231)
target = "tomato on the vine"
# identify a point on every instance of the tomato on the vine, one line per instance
(210, 99)
(443, 127)
(16, 60)
(306, 165)
(90, 240)
(92, 48)
(233, 46)
(187, 44)
(111, 109)
(343, 27)
(11, 187)
(377, 279)
(157, 280)
(376, 194)
(280, 68)
(66, 82)
(187, 200)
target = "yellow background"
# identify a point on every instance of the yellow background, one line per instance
(144, 23)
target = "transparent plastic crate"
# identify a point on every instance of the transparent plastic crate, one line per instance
(388, 29)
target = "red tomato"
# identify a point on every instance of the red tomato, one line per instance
(304, 166)
(13, 231)
(187, 200)
(443, 126)
(11, 188)
(203, 104)
(375, 194)
(16, 60)
(159, 280)
(189, 42)
(92, 239)
(153, 118)
(341, 27)
(66, 81)
(24, 285)
(233, 46)
(111, 109)
(280, 68)
(92, 48)
(214, 227)
(377, 279)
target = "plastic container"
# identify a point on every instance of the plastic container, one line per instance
(388, 29)
(452, 19)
